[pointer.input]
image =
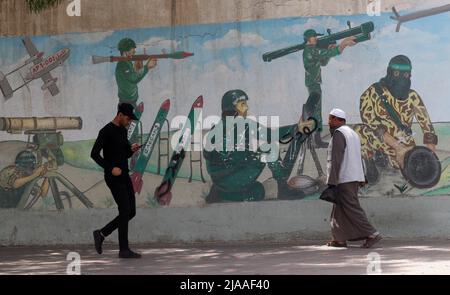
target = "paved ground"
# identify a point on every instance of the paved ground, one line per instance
(397, 257)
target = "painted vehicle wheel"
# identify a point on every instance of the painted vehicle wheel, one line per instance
(422, 167)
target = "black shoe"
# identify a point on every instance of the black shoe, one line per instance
(98, 239)
(129, 254)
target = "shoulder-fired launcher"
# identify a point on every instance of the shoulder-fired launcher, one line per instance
(361, 34)
(142, 57)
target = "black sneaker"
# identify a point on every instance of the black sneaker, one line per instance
(98, 240)
(129, 254)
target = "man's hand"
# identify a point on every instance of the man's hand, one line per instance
(135, 147)
(400, 149)
(332, 46)
(151, 63)
(400, 152)
(138, 65)
(350, 41)
(431, 147)
(364, 183)
(116, 171)
(41, 170)
(302, 125)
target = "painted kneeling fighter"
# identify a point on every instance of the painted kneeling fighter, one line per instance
(235, 171)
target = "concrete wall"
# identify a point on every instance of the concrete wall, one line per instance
(102, 15)
(279, 221)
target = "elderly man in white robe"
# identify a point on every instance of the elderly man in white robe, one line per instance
(345, 172)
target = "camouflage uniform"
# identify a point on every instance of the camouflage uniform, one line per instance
(376, 121)
(9, 196)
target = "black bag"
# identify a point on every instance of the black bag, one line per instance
(330, 194)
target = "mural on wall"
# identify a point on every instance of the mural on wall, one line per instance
(391, 84)
(317, 53)
(417, 15)
(35, 169)
(235, 171)
(41, 70)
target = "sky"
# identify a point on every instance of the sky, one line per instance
(229, 56)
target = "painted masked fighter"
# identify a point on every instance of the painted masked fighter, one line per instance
(387, 111)
(235, 167)
(313, 59)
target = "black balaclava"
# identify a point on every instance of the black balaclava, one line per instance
(399, 86)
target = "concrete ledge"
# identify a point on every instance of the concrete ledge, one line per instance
(420, 217)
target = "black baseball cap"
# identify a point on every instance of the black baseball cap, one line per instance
(128, 110)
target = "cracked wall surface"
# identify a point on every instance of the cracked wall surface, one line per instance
(101, 15)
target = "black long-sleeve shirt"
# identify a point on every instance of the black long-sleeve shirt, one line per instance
(112, 139)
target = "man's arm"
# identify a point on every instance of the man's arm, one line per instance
(324, 55)
(130, 151)
(337, 155)
(131, 75)
(367, 111)
(421, 114)
(38, 172)
(95, 153)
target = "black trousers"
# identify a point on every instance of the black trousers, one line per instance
(123, 193)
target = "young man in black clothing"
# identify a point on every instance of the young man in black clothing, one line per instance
(112, 139)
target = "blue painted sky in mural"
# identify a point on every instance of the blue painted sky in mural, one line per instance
(220, 64)
(257, 37)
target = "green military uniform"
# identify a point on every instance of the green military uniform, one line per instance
(234, 173)
(127, 77)
(313, 59)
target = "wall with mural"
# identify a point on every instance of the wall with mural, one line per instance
(58, 91)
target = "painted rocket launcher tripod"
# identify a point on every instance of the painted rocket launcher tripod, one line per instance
(296, 138)
(361, 34)
(45, 141)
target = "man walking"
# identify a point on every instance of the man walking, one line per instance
(112, 139)
(345, 173)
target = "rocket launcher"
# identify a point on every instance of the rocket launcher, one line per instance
(361, 34)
